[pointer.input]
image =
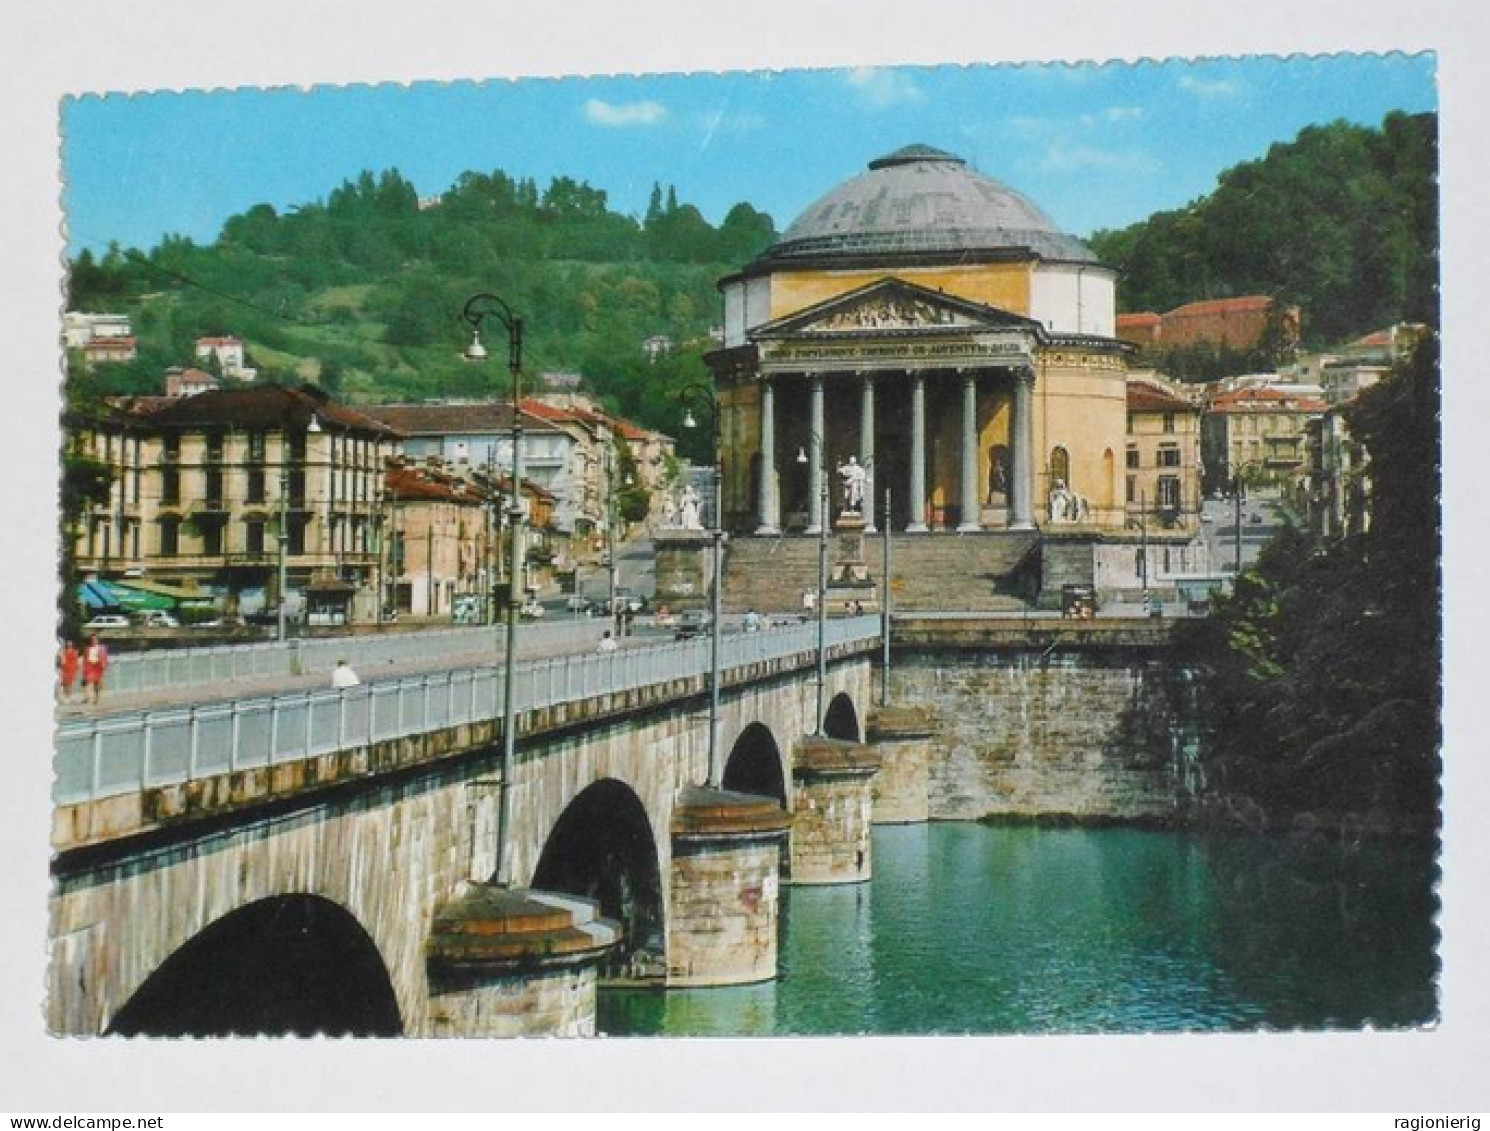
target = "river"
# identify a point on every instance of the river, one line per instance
(967, 928)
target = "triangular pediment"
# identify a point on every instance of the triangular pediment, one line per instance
(892, 306)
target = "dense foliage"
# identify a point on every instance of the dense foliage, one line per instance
(1342, 222)
(1322, 669)
(363, 292)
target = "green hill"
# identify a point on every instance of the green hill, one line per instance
(363, 291)
(1342, 221)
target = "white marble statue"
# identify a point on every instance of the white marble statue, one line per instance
(688, 510)
(854, 476)
(1067, 506)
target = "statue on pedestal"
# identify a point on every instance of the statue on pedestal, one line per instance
(854, 476)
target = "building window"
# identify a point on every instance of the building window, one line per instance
(1133, 488)
(170, 537)
(1060, 466)
(1133, 464)
(296, 536)
(1169, 492)
(253, 540)
(256, 446)
(1169, 422)
(212, 538)
(255, 486)
(214, 446)
(1169, 456)
(170, 487)
(171, 447)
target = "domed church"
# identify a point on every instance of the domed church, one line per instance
(934, 327)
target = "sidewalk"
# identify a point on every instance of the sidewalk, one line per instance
(279, 685)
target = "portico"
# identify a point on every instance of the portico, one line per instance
(861, 372)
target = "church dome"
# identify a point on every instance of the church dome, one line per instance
(920, 200)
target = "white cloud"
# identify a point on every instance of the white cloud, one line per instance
(880, 86)
(1123, 113)
(622, 114)
(1210, 88)
(1064, 157)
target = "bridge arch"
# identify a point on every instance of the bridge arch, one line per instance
(289, 964)
(755, 764)
(602, 847)
(842, 719)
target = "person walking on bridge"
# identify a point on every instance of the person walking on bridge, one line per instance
(69, 664)
(95, 663)
(343, 677)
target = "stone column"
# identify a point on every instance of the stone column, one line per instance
(507, 962)
(830, 841)
(970, 502)
(768, 502)
(917, 524)
(901, 791)
(817, 452)
(1022, 443)
(866, 447)
(725, 888)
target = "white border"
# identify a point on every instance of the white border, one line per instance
(59, 48)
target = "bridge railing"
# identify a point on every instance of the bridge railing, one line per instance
(120, 754)
(162, 668)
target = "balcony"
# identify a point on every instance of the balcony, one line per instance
(210, 506)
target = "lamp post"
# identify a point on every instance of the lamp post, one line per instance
(477, 310)
(284, 519)
(822, 575)
(705, 394)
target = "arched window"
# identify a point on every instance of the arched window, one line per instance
(1060, 466)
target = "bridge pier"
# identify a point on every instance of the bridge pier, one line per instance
(726, 870)
(508, 962)
(830, 826)
(902, 789)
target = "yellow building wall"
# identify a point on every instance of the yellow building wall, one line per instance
(739, 439)
(1004, 285)
(1081, 404)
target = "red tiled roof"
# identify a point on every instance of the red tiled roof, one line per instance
(219, 341)
(444, 419)
(1221, 306)
(1264, 399)
(267, 407)
(109, 343)
(407, 483)
(1377, 338)
(1143, 318)
(1143, 397)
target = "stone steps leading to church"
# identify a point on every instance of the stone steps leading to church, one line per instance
(972, 572)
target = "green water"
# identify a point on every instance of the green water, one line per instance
(969, 929)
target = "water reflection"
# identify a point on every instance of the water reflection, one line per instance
(973, 929)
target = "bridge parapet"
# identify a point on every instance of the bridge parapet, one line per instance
(121, 775)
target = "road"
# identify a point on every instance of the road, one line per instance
(1261, 517)
(182, 696)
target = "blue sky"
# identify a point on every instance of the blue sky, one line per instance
(1094, 146)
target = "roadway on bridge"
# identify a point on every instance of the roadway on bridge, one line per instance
(534, 648)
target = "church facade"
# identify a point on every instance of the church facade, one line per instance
(932, 327)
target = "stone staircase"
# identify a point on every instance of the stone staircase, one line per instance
(988, 572)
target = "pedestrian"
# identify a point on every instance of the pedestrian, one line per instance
(752, 621)
(95, 663)
(607, 643)
(69, 664)
(343, 677)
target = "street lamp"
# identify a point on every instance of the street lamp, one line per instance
(704, 394)
(825, 520)
(477, 310)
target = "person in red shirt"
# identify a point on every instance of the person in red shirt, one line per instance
(69, 664)
(95, 663)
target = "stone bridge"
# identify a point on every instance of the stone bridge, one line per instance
(329, 862)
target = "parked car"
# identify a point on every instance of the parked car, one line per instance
(532, 610)
(158, 618)
(629, 601)
(106, 622)
(694, 622)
